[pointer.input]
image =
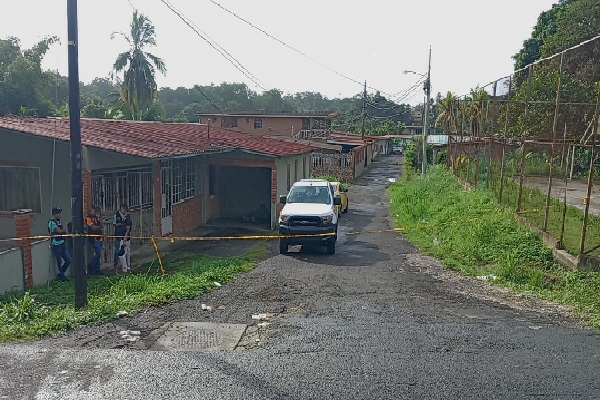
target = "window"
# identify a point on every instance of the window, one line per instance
(258, 123)
(189, 179)
(20, 189)
(229, 122)
(177, 187)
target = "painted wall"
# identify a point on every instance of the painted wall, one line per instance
(11, 271)
(32, 151)
(104, 159)
(43, 263)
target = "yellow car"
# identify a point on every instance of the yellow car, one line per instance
(340, 190)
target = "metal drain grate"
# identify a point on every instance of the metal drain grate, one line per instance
(198, 336)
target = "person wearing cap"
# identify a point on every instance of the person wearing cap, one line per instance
(93, 223)
(57, 242)
(123, 224)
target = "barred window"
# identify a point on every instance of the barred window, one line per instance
(190, 178)
(177, 195)
(20, 189)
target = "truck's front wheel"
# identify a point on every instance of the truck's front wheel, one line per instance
(283, 246)
(331, 246)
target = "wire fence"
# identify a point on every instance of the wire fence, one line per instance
(532, 138)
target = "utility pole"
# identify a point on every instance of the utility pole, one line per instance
(78, 264)
(364, 115)
(364, 112)
(427, 88)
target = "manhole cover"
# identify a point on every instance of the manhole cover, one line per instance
(198, 336)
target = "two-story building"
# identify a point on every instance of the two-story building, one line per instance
(307, 125)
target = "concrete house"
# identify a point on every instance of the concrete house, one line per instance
(174, 177)
(308, 125)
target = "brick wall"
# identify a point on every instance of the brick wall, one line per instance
(23, 230)
(187, 216)
(157, 198)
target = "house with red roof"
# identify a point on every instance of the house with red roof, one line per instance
(175, 177)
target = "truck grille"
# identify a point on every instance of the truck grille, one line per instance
(305, 221)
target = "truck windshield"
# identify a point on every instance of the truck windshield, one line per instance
(309, 194)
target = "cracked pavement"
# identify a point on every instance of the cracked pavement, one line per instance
(378, 320)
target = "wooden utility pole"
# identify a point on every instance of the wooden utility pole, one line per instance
(78, 264)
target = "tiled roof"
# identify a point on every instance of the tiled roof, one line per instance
(153, 139)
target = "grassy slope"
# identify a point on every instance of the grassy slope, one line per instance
(50, 309)
(472, 233)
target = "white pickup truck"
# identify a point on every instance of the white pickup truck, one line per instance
(309, 215)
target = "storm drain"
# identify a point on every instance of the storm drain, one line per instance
(198, 336)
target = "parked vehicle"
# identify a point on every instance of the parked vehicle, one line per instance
(340, 190)
(397, 149)
(309, 215)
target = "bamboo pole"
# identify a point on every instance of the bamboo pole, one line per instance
(503, 160)
(525, 133)
(590, 177)
(554, 129)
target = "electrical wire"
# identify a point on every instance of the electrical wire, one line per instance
(209, 100)
(296, 50)
(225, 54)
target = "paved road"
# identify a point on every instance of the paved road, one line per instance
(376, 321)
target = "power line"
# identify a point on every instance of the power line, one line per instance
(197, 87)
(295, 49)
(224, 53)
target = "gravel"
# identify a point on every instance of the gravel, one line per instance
(376, 321)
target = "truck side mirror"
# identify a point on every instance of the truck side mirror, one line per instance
(282, 199)
(337, 201)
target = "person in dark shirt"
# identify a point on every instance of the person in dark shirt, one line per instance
(57, 242)
(123, 225)
(93, 223)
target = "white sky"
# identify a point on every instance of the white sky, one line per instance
(472, 40)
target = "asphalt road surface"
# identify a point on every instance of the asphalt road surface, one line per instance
(376, 321)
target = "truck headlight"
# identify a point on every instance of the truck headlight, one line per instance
(283, 219)
(327, 219)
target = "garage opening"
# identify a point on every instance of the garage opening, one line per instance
(245, 196)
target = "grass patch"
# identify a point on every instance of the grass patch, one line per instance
(258, 252)
(50, 309)
(470, 232)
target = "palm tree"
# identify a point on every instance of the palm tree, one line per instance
(448, 116)
(138, 88)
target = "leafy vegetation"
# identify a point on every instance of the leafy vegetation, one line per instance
(470, 232)
(49, 309)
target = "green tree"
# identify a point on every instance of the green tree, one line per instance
(138, 87)
(448, 114)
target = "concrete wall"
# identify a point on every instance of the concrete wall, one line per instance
(99, 159)
(11, 271)
(31, 151)
(7, 227)
(43, 263)
(282, 171)
(279, 125)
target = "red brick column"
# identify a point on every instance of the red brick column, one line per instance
(23, 230)
(157, 198)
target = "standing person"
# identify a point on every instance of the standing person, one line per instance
(123, 224)
(93, 223)
(57, 242)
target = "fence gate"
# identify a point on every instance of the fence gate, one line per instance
(134, 188)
